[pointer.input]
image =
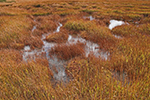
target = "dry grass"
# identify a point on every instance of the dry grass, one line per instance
(92, 70)
(18, 79)
(60, 37)
(91, 30)
(144, 29)
(66, 52)
(92, 78)
(46, 24)
(125, 30)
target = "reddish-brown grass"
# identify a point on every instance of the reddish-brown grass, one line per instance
(66, 52)
(59, 37)
(92, 78)
(46, 24)
(125, 30)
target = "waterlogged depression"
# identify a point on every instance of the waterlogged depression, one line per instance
(90, 47)
(59, 64)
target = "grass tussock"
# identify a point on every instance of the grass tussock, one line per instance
(131, 30)
(60, 37)
(76, 25)
(92, 31)
(125, 30)
(17, 32)
(46, 24)
(144, 29)
(66, 52)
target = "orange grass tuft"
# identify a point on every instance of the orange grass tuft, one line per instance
(125, 30)
(67, 52)
(59, 37)
(46, 24)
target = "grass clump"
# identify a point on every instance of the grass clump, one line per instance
(13, 30)
(125, 30)
(89, 11)
(59, 37)
(66, 52)
(144, 29)
(46, 24)
(16, 32)
(78, 25)
(100, 35)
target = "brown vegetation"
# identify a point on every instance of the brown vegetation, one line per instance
(59, 37)
(125, 30)
(66, 52)
(91, 77)
(90, 30)
(46, 24)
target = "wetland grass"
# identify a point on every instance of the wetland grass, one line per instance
(91, 77)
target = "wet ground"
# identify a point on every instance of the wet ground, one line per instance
(59, 65)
